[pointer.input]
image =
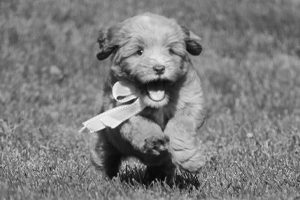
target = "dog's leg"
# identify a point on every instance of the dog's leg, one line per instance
(186, 148)
(165, 172)
(144, 135)
(112, 161)
(105, 157)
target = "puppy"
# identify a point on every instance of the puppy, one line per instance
(151, 53)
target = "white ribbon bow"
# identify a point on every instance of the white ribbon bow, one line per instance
(122, 92)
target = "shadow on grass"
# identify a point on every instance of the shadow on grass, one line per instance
(136, 175)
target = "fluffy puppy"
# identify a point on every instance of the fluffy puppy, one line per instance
(151, 53)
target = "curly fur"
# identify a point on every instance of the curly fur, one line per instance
(152, 50)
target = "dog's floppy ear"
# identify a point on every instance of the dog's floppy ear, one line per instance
(107, 41)
(192, 42)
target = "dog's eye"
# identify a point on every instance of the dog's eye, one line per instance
(140, 52)
(171, 51)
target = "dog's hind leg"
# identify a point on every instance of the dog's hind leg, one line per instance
(112, 161)
(105, 157)
(165, 172)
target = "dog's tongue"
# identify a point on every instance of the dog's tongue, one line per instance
(156, 92)
(157, 95)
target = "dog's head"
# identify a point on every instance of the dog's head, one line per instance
(151, 51)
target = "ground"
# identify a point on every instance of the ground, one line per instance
(51, 81)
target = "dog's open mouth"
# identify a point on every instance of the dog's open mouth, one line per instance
(156, 90)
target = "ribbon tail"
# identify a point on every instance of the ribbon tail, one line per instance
(93, 125)
(114, 117)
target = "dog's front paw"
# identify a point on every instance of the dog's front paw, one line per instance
(155, 145)
(145, 136)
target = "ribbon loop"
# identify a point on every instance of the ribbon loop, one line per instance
(123, 92)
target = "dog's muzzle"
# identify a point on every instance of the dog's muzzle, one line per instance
(155, 93)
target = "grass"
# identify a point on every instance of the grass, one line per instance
(50, 81)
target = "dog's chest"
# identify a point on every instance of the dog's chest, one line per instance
(161, 116)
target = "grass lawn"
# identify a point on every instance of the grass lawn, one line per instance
(51, 81)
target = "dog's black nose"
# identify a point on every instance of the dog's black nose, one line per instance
(159, 69)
